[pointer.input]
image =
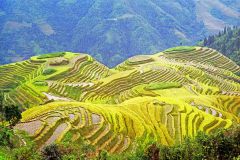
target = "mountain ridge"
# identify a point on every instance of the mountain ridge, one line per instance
(104, 32)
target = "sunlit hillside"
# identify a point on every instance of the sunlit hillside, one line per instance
(167, 96)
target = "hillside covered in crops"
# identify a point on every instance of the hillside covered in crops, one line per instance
(166, 96)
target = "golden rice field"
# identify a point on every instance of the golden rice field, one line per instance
(168, 96)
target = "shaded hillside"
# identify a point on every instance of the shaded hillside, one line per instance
(226, 42)
(166, 96)
(111, 31)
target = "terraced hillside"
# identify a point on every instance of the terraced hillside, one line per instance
(168, 96)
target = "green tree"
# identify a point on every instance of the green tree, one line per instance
(205, 41)
(5, 136)
(1, 100)
(12, 115)
(1, 107)
(51, 152)
(227, 42)
(152, 152)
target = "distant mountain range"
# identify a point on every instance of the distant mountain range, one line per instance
(110, 31)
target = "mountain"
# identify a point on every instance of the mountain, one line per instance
(110, 31)
(168, 96)
(226, 42)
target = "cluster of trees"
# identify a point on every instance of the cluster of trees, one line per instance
(9, 113)
(9, 117)
(226, 42)
(220, 145)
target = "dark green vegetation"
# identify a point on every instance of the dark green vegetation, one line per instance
(49, 71)
(9, 113)
(181, 49)
(17, 146)
(1, 106)
(166, 85)
(5, 135)
(40, 83)
(10, 148)
(227, 42)
(12, 115)
(67, 150)
(222, 144)
(110, 31)
(51, 55)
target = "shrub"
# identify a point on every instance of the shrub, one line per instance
(79, 149)
(4, 154)
(68, 150)
(11, 148)
(167, 85)
(27, 150)
(51, 55)
(51, 152)
(139, 150)
(5, 136)
(2, 96)
(49, 71)
(40, 83)
(189, 149)
(103, 155)
(152, 152)
(26, 153)
(223, 144)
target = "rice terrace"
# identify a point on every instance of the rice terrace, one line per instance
(167, 96)
(119, 80)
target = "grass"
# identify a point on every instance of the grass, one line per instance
(40, 83)
(49, 71)
(51, 55)
(181, 49)
(164, 85)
